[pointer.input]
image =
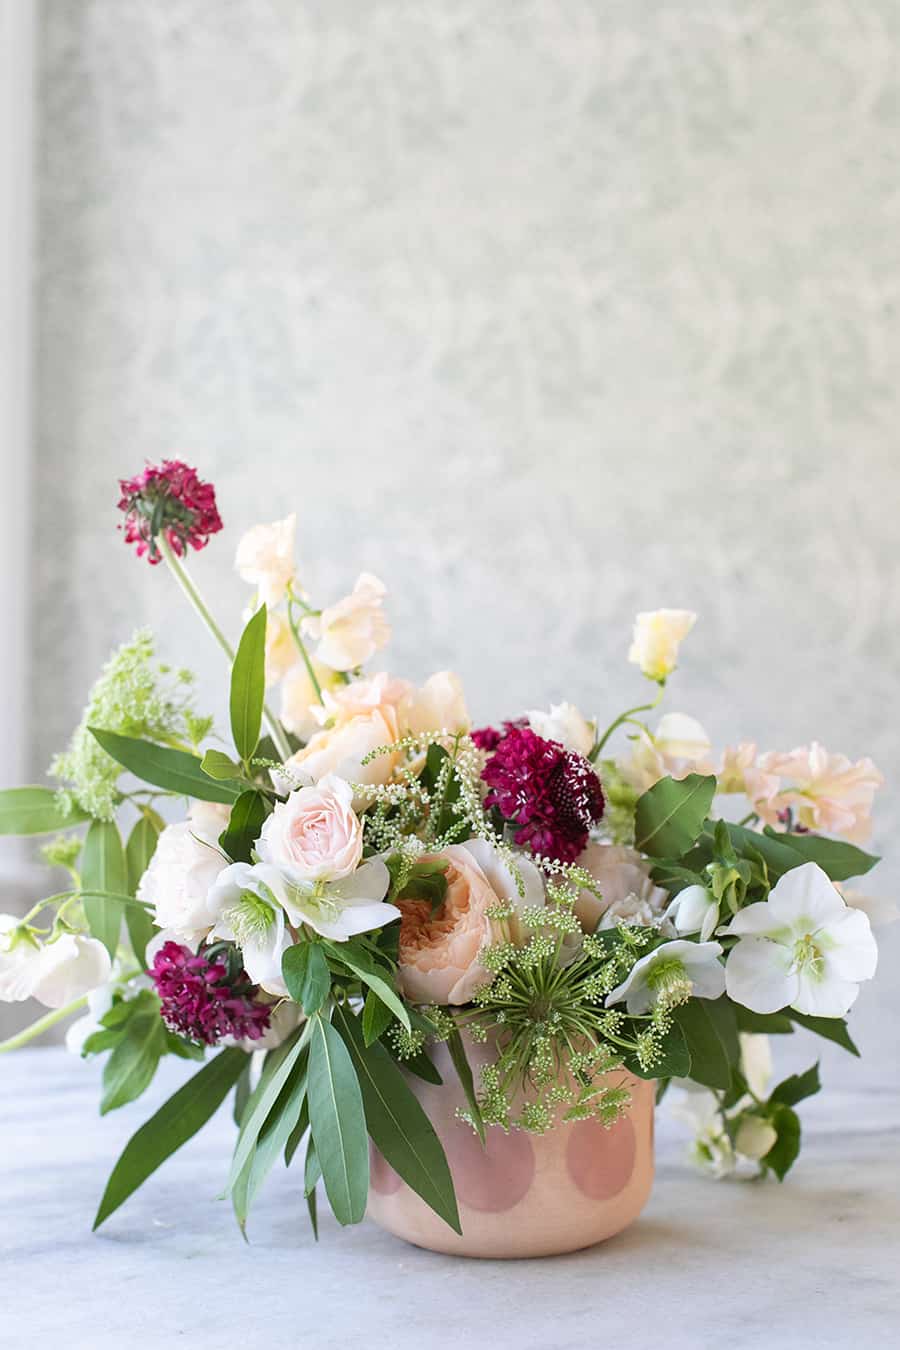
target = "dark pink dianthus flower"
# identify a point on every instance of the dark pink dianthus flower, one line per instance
(169, 498)
(550, 793)
(199, 1000)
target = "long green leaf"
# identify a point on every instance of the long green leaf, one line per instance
(248, 685)
(399, 1127)
(139, 850)
(670, 815)
(176, 1121)
(36, 810)
(839, 860)
(464, 1074)
(242, 831)
(130, 1068)
(272, 1139)
(103, 868)
(829, 1028)
(356, 961)
(797, 1087)
(338, 1123)
(174, 770)
(306, 975)
(279, 1064)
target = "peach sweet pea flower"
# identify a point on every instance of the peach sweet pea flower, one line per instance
(626, 891)
(342, 747)
(440, 705)
(350, 632)
(679, 746)
(439, 954)
(828, 792)
(265, 558)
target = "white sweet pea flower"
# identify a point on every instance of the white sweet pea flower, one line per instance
(679, 736)
(341, 909)
(563, 723)
(20, 955)
(694, 910)
(672, 974)
(265, 558)
(802, 948)
(251, 902)
(55, 973)
(698, 1108)
(352, 631)
(657, 636)
(99, 1002)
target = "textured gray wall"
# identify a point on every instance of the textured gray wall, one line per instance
(545, 312)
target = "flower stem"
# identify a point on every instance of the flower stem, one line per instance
(180, 573)
(43, 1024)
(624, 717)
(301, 647)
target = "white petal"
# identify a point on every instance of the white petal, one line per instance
(370, 881)
(805, 896)
(757, 920)
(708, 980)
(501, 879)
(758, 975)
(824, 997)
(851, 952)
(691, 908)
(361, 917)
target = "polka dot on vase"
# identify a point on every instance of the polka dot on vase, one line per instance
(494, 1178)
(382, 1177)
(601, 1161)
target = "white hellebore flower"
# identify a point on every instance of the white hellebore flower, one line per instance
(341, 909)
(54, 972)
(672, 974)
(657, 636)
(802, 948)
(265, 558)
(352, 631)
(563, 723)
(250, 901)
(694, 910)
(184, 866)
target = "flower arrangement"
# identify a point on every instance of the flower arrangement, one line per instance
(363, 876)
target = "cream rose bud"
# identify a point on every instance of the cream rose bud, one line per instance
(755, 1137)
(352, 631)
(657, 636)
(265, 558)
(182, 870)
(564, 723)
(315, 835)
(440, 705)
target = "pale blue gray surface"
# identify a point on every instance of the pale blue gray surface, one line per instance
(545, 313)
(810, 1265)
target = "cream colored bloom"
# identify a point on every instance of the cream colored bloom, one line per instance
(756, 1062)
(300, 709)
(342, 749)
(679, 746)
(350, 632)
(755, 1137)
(265, 558)
(440, 705)
(657, 636)
(54, 972)
(626, 891)
(281, 650)
(184, 866)
(565, 724)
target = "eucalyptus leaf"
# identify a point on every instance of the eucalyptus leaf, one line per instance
(36, 810)
(175, 770)
(399, 1127)
(176, 1121)
(248, 685)
(104, 869)
(669, 816)
(338, 1123)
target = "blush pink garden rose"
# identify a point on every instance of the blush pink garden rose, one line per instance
(315, 835)
(439, 953)
(626, 891)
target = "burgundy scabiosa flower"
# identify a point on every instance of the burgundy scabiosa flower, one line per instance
(551, 794)
(168, 498)
(202, 1000)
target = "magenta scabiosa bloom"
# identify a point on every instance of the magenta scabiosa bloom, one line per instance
(551, 794)
(169, 498)
(202, 1000)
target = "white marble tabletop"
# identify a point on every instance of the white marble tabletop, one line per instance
(813, 1263)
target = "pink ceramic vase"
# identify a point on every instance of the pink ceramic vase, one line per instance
(523, 1194)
